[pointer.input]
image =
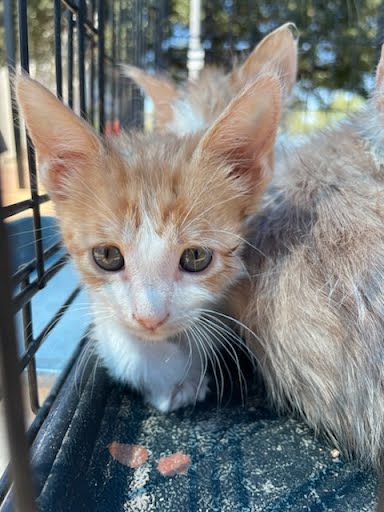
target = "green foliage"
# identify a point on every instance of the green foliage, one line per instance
(179, 12)
(338, 48)
(338, 39)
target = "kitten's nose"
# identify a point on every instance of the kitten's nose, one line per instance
(150, 323)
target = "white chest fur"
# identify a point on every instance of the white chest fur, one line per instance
(168, 372)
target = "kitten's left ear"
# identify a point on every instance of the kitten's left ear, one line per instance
(243, 137)
(64, 143)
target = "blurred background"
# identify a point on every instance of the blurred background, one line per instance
(338, 47)
(339, 42)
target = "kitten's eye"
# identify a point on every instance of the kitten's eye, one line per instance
(108, 257)
(195, 259)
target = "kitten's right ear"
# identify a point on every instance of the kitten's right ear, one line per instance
(160, 90)
(243, 138)
(276, 53)
(64, 143)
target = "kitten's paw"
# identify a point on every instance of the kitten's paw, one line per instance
(187, 393)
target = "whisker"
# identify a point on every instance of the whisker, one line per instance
(240, 238)
(233, 355)
(33, 231)
(232, 319)
(235, 337)
(95, 365)
(87, 352)
(41, 239)
(204, 364)
(188, 364)
(209, 181)
(96, 197)
(219, 358)
(219, 389)
(82, 364)
(209, 209)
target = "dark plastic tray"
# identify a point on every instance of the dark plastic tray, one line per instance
(242, 458)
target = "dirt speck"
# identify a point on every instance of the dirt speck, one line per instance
(131, 455)
(335, 453)
(176, 464)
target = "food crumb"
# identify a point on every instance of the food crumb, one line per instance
(131, 455)
(335, 453)
(175, 464)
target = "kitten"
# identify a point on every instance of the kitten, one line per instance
(197, 103)
(156, 225)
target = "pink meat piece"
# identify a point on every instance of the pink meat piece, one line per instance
(131, 455)
(175, 464)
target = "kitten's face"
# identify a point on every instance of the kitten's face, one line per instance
(156, 223)
(156, 237)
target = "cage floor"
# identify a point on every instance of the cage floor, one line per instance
(241, 458)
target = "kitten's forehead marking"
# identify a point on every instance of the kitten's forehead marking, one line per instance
(147, 232)
(150, 246)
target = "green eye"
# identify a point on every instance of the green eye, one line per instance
(195, 259)
(108, 257)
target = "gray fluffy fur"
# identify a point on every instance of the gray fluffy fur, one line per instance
(317, 287)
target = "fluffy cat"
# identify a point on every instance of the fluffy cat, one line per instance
(156, 225)
(197, 103)
(314, 307)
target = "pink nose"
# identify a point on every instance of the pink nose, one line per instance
(150, 323)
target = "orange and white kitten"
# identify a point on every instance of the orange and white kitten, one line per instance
(156, 225)
(197, 103)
